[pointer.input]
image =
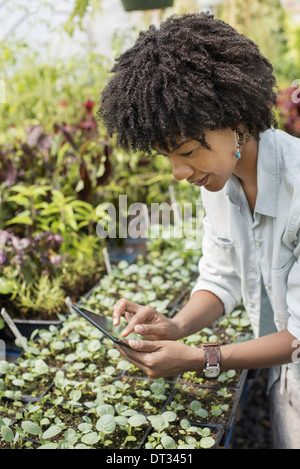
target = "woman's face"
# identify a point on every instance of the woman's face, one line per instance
(203, 167)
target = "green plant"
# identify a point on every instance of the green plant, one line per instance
(10, 408)
(95, 399)
(33, 429)
(187, 436)
(44, 294)
(267, 24)
(7, 433)
(62, 214)
(135, 421)
(234, 327)
(79, 10)
(160, 422)
(29, 198)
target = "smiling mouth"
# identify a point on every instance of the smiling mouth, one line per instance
(201, 182)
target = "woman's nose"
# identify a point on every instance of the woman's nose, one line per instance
(181, 170)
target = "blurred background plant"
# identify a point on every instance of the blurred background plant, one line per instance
(289, 109)
(57, 165)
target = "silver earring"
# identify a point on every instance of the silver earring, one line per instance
(238, 153)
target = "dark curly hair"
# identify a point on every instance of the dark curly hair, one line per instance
(193, 73)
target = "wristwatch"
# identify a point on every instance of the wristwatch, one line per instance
(212, 359)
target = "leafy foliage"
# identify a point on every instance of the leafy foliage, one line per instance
(289, 110)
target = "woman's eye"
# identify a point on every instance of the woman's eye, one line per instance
(187, 154)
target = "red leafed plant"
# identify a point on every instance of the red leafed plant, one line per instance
(289, 110)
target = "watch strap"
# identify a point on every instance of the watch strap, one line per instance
(212, 354)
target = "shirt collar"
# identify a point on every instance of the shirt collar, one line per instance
(268, 176)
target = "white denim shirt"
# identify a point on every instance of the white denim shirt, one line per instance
(240, 250)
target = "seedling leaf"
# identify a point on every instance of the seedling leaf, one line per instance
(106, 424)
(51, 432)
(207, 442)
(31, 428)
(91, 438)
(168, 442)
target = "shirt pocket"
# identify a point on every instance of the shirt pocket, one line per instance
(225, 242)
(285, 264)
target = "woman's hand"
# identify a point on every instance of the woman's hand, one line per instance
(145, 321)
(164, 358)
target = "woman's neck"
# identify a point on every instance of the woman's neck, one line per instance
(246, 170)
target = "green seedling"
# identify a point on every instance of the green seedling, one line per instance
(190, 437)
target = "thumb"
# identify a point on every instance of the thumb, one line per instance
(144, 345)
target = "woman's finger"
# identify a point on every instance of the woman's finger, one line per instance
(145, 346)
(139, 355)
(121, 307)
(128, 316)
(151, 331)
(144, 314)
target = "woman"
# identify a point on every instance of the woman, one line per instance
(202, 94)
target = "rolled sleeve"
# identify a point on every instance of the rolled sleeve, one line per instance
(218, 269)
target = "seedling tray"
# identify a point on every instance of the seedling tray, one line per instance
(25, 388)
(177, 302)
(227, 422)
(236, 383)
(216, 431)
(221, 430)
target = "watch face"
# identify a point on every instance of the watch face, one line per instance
(212, 371)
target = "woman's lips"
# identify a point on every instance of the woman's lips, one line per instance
(202, 181)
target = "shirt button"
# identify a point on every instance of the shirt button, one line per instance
(257, 242)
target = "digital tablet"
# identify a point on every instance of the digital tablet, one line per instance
(96, 321)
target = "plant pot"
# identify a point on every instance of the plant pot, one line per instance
(131, 5)
(26, 327)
